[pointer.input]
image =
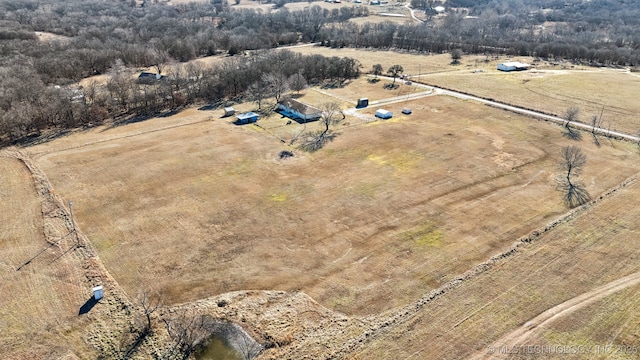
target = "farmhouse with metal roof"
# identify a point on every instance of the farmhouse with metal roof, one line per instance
(298, 110)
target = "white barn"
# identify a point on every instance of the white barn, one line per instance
(513, 66)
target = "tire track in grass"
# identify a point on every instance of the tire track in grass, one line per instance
(538, 323)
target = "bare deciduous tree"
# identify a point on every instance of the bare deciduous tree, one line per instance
(394, 71)
(258, 91)
(149, 303)
(456, 55)
(331, 115)
(159, 57)
(297, 82)
(596, 123)
(376, 70)
(278, 84)
(571, 115)
(186, 331)
(571, 164)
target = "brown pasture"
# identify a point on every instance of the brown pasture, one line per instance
(602, 92)
(194, 206)
(40, 291)
(593, 248)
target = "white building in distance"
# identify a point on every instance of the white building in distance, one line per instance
(513, 66)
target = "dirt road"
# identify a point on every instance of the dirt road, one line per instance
(521, 334)
(515, 109)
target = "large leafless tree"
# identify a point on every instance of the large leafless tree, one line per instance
(297, 82)
(186, 331)
(570, 115)
(571, 165)
(331, 115)
(278, 83)
(394, 71)
(596, 123)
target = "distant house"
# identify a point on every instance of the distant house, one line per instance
(383, 114)
(298, 110)
(513, 66)
(246, 118)
(228, 111)
(149, 77)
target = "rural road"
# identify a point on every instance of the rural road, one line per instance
(515, 109)
(413, 15)
(509, 343)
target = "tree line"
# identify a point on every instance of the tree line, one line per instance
(594, 33)
(28, 106)
(95, 35)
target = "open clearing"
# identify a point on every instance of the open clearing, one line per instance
(592, 251)
(547, 88)
(40, 301)
(385, 213)
(388, 214)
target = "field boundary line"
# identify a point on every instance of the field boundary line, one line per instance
(386, 321)
(548, 316)
(52, 201)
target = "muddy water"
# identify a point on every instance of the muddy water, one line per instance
(218, 350)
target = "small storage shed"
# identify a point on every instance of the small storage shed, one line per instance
(228, 111)
(406, 111)
(363, 102)
(98, 292)
(383, 114)
(246, 118)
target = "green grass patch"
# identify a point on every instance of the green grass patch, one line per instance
(426, 235)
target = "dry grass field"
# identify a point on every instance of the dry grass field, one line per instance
(193, 206)
(592, 249)
(412, 63)
(39, 300)
(47, 273)
(546, 87)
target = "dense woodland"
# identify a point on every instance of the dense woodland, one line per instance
(94, 37)
(597, 32)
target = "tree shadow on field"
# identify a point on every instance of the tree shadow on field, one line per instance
(209, 107)
(88, 306)
(572, 134)
(41, 138)
(314, 141)
(132, 119)
(574, 194)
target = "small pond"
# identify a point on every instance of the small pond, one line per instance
(216, 349)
